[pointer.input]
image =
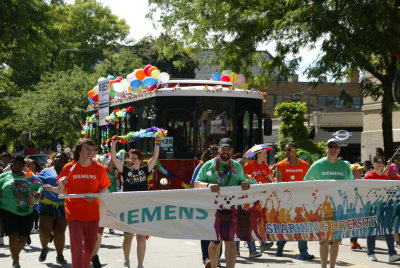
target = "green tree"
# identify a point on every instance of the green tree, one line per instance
(292, 128)
(355, 35)
(56, 106)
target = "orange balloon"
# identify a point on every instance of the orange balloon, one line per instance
(140, 74)
(111, 83)
(152, 68)
(91, 93)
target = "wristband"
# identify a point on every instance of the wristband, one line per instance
(158, 142)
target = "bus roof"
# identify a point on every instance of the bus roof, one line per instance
(188, 88)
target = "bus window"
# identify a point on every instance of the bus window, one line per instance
(179, 141)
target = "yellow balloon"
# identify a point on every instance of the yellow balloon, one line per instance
(233, 77)
(130, 89)
(155, 73)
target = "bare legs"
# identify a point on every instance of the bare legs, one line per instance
(140, 250)
(17, 243)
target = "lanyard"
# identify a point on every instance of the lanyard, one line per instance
(226, 171)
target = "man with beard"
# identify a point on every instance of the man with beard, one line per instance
(222, 171)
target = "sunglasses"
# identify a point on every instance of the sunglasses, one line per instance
(289, 150)
(330, 146)
(358, 169)
(379, 162)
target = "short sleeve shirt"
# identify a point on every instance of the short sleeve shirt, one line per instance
(374, 176)
(325, 170)
(208, 173)
(135, 180)
(16, 193)
(257, 171)
(293, 172)
(82, 180)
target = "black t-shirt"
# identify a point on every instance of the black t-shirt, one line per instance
(135, 180)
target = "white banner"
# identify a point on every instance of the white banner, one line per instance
(315, 210)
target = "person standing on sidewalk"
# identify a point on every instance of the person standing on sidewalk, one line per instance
(134, 178)
(329, 168)
(51, 211)
(82, 176)
(222, 171)
(377, 174)
(289, 170)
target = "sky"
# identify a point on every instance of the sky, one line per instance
(134, 12)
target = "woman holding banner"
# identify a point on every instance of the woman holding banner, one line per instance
(82, 176)
(134, 178)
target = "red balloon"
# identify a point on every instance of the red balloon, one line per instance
(118, 79)
(95, 98)
(146, 69)
(225, 78)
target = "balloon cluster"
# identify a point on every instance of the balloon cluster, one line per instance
(104, 158)
(229, 76)
(90, 126)
(145, 79)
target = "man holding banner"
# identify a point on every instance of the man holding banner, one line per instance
(329, 168)
(289, 170)
(222, 171)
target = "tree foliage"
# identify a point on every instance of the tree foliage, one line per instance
(292, 128)
(355, 35)
(54, 110)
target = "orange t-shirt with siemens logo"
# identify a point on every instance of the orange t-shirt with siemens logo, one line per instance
(82, 180)
(293, 173)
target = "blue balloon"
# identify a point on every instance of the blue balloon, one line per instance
(216, 76)
(90, 100)
(149, 81)
(135, 83)
(110, 77)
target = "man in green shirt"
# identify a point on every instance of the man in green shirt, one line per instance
(329, 168)
(222, 171)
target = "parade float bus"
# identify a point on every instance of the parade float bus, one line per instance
(196, 114)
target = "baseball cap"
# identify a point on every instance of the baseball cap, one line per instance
(225, 142)
(356, 166)
(333, 141)
(393, 169)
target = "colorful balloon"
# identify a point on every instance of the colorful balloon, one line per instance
(149, 81)
(130, 77)
(111, 83)
(96, 89)
(216, 76)
(241, 79)
(155, 73)
(152, 68)
(146, 69)
(118, 79)
(110, 77)
(135, 83)
(226, 72)
(225, 78)
(90, 100)
(233, 77)
(140, 74)
(91, 93)
(95, 98)
(101, 79)
(163, 78)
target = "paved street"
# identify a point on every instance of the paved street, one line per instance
(168, 253)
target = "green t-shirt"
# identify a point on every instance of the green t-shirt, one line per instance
(209, 174)
(16, 193)
(325, 170)
(113, 179)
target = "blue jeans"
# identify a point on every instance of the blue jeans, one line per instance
(250, 244)
(303, 248)
(389, 242)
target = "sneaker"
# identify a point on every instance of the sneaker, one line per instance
(266, 245)
(279, 254)
(60, 259)
(397, 244)
(372, 257)
(16, 265)
(111, 231)
(255, 254)
(96, 261)
(306, 257)
(394, 258)
(355, 245)
(43, 254)
(140, 266)
(127, 264)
